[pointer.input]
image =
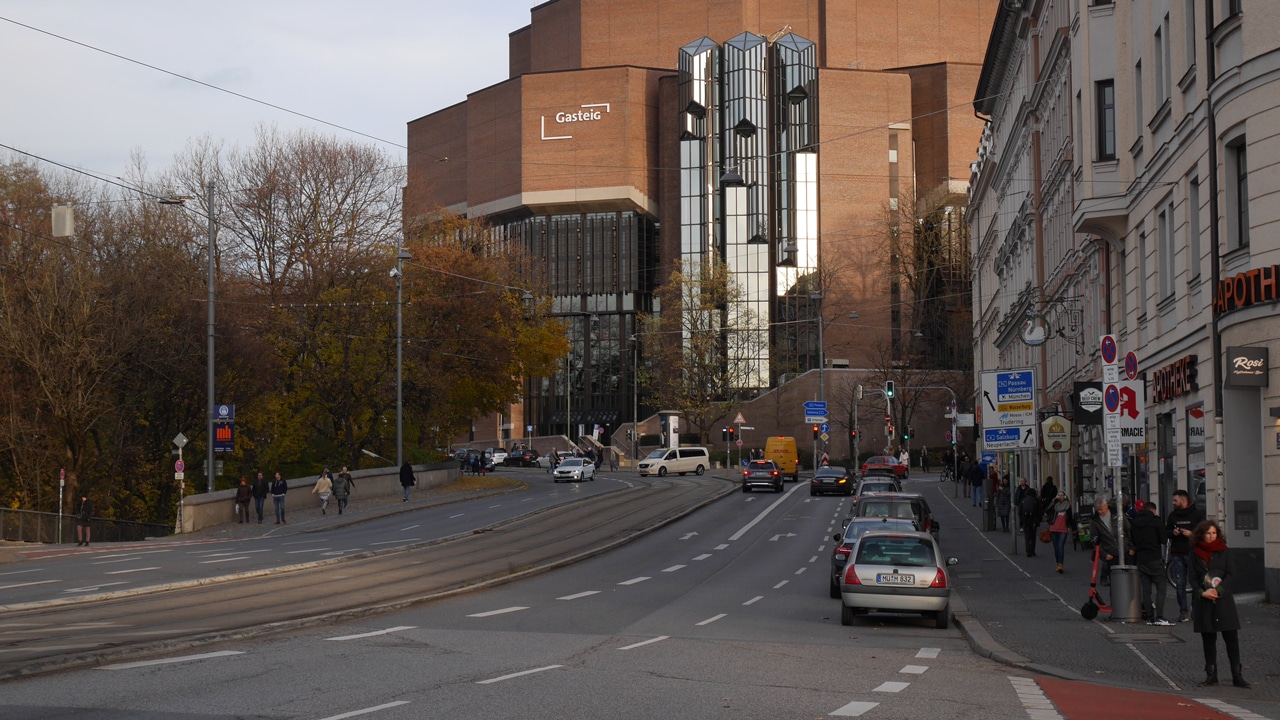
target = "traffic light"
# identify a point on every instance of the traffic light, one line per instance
(815, 432)
(911, 432)
(853, 434)
(906, 435)
(724, 434)
(889, 431)
(732, 433)
(888, 389)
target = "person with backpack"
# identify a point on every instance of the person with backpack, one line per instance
(976, 478)
(1029, 514)
(342, 487)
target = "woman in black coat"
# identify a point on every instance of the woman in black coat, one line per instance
(1213, 608)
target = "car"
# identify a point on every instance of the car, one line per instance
(682, 460)
(831, 480)
(574, 469)
(761, 473)
(908, 506)
(897, 572)
(876, 484)
(854, 529)
(522, 457)
(498, 455)
(885, 465)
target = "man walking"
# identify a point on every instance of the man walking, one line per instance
(244, 494)
(261, 488)
(1184, 517)
(976, 478)
(407, 479)
(1104, 536)
(924, 458)
(342, 487)
(278, 488)
(1148, 540)
(1029, 514)
(83, 520)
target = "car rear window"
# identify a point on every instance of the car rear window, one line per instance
(901, 551)
(762, 465)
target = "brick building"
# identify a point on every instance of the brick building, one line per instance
(783, 137)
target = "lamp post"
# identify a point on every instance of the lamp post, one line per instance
(399, 275)
(635, 398)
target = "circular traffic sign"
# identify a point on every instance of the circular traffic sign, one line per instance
(1131, 366)
(1109, 349)
(179, 466)
(1112, 398)
(739, 442)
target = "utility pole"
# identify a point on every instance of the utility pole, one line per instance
(213, 231)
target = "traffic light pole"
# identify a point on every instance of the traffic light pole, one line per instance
(955, 408)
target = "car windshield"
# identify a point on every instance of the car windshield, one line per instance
(830, 472)
(856, 528)
(878, 487)
(761, 465)
(571, 463)
(657, 454)
(899, 551)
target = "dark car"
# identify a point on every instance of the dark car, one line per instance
(831, 480)
(522, 457)
(761, 473)
(853, 529)
(905, 506)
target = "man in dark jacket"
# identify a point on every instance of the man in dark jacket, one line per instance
(1029, 514)
(1184, 518)
(976, 478)
(261, 489)
(1148, 541)
(407, 479)
(1104, 536)
(83, 520)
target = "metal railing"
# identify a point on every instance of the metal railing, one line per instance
(42, 527)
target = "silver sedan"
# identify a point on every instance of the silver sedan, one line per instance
(897, 572)
(574, 469)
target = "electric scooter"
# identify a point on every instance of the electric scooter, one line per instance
(1094, 604)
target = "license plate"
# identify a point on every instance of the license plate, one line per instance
(827, 481)
(895, 579)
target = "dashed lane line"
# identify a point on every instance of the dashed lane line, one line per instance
(20, 572)
(134, 570)
(703, 556)
(801, 570)
(928, 652)
(857, 708)
(295, 552)
(892, 686)
(576, 596)
(366, 711)
(722, 546)
(712, 619)
(25, 584)
(171, 660)
(503, 611)
(633, 581)
(518, 674)
(642, 643)
(815, 557)
(205, 562)
(913, 670)
(90, 588)
(374, 633)
(754, 600)
(779, 585)
(406, 529)
(674, 568)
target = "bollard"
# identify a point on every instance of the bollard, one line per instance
(1126, 605)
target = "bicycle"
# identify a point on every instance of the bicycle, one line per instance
(948, 473)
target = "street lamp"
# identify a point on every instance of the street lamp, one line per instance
(398, 274)
(635, 397)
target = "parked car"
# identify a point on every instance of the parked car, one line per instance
(884, 465)
(897, 572)
(831, 480)
(522, 457)
(574, 469)
(761, 473)
(906, 506)
(854, 529)
(498, 455)
(683, 460)
(876, 484)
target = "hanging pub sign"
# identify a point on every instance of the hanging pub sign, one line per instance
(1250, 287)
(1174, 380)
(1087, 401)
(1055, 433)
(1247, 367)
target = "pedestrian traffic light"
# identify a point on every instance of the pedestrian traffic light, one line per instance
(853, 434)
(911, 432)
(906, 435)
(815, 432)
(733, 432)
(724, 434)
(888, 389)
(889, 431)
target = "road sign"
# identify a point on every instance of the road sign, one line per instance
(1010, 438)
(815, 407)
(739, 420)
(825, 437)
(225, 413)
(1110, 351)
(179, 476)
(815, 419)
(988, 458)
(1123, 408)
(179, 466)
(180, 440)
(825, 427)
(739, 443)
(1131, 366)
(1008, 398)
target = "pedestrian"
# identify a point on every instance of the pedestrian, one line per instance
(1148, 544)
(976, 478)
(1104, 536)
(924, 458)
(1180, 523)
(1004, 502)
(342, 487)
(83, 520)
(261, 488)
(904, 458)
(1213, 603)
(1029, 515)
(1061, 523)
(278, 488)
(613, 460)
(323, 488)
(244, 493)
(1048, 494)
(407, 479)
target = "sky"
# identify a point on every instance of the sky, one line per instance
(371, 66)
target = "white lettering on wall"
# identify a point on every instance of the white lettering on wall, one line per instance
(589, 113)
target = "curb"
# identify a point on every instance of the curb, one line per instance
(982, 643)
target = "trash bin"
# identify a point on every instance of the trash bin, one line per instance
(1126, 605)
(989, 514)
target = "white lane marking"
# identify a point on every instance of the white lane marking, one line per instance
(703, 556)
(131, 555)
(784, 582)
(575, 596)
(801, 570)
(891, 687)
(341, 552)
(674, 568)
(35, 582)
(113, 562)
(238, 552)
(405, 529)
(391, 542)
(19, 572)
(712, 619)
(854, 709)
(633, 581)
(295, 552)
(821, 548)
(913, 669)
(763, 513)
(495, 506)
(1033, 699)
(928, 652)
(751, 499)
(815, 557)
(298, 542)
(397, 628)
(456, 516)
(722, 546)
(130, 570)
(754, 600)
(366, 711)
(686, 536)
(642, 643)
(503, 611)
(519, 674)
(1229, 709)
(169, 661)
(221, 560)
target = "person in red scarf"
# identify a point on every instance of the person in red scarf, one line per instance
(1213, 608)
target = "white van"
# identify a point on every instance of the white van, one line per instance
(683, 460)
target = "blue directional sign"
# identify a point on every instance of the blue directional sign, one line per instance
(825, 427)
(988, 458)
(1002, 438)
(815, 407)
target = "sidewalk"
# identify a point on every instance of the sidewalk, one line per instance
(1020, 611)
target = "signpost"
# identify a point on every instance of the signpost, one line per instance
(1123, 422)
(1009, 409)
(180, 440)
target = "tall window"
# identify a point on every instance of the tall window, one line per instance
(1164, 58)
(1238, 193)
(1193, 229)
(1191, 39)
(1106, 108)
(1161, 66)
(1140, 265)
(1138, 116)
(1164, 229)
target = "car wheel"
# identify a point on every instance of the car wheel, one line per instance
(778, 489)
(662, 471)
(835, 589)
(943, 618)
(699, 471)
(813, 493)
(846, 615)
(746, 488)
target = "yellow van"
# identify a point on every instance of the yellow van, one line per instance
(782, 450)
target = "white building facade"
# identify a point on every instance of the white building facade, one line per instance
(1128, 184)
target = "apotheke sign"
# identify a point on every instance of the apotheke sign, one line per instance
(590, 112)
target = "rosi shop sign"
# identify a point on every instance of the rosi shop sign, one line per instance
(1247, 366)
